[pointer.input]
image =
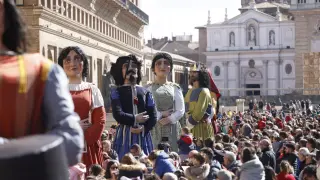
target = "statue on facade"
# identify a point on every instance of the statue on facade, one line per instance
(252, 36)
(107, 82)
(232, 39)
(272, 38)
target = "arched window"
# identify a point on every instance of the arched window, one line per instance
(232, 39)
(272, 38)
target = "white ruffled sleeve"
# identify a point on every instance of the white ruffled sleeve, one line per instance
(97, 99)
(178, 106)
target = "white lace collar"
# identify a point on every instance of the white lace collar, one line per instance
(79, 87)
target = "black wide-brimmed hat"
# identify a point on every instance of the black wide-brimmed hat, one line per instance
(40, 157)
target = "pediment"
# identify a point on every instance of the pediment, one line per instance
(258, 16)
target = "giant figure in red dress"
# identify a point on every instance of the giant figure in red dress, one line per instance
(88, 103)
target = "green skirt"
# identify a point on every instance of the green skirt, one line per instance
(202, 131)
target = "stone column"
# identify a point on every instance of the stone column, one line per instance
(237, 63)
(240, 105)
(278, 70)
(225, 69)
(265, 76)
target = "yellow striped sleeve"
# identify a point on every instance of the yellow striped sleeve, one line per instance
(46, 66)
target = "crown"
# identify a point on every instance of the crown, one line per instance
(198, 67)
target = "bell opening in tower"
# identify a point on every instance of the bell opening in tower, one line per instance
(253, 92)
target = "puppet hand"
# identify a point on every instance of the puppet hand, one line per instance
(166, 113)
(142, 117)
(137, 130)
(164, 121)
(85, 126)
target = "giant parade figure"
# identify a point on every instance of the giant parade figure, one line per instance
(169, 102)
(133, 107)
(199, 103)
(88, 103)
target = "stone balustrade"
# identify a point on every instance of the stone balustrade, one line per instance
(87, 18)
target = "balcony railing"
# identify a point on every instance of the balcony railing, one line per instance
(137, 12)
(85, 17)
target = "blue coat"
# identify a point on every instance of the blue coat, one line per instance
(163, 165)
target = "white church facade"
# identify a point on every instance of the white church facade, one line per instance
(252, 50)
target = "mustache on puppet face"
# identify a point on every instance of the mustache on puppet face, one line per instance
(132, 77)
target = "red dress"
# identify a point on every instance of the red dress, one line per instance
(88, 104)
(22, 87)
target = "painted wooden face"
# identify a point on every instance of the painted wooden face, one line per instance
(73, 65)
(162, 67)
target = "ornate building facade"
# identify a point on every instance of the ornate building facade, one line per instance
(104, 29)
(252, 50)
(307, 23)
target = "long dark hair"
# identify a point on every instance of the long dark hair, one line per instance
(64, 53)
(14, 36)
(110, 163)
(116, 69)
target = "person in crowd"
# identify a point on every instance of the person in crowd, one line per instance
(37, 85)
(77, 172)
(230, 162)
(200, 106)
(137, 153)
(161, 163)
(312, 144)
(268, 156)
(286, 171)
(109, 153)
(169, 176)
(133, 107)
(252, 168)
(112, 170)
(130, 167)
(169, 102)
(199, 144)
(88, 102)
(176, 160)
(291, 156)
(309, 173)
(185, 143)
(200, 169)
(96, 173)
(270, 173)
(215, 166)
(302, 155)
(224, 175)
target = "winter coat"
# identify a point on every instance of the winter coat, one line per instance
(198, 172)
(131, 171)
(252, 170)
(185, 144)
(215, 167)
(163, 165)
(234, 167)
(268, 158)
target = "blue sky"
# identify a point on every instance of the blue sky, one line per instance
(167, 17)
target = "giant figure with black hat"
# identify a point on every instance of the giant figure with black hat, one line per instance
(132, 105)
(199, 103)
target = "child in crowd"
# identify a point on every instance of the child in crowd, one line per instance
(199, 144)
(185, 143)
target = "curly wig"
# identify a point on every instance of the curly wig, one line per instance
(161, 55)
(116, 69)
(204, 80)
(64, 53)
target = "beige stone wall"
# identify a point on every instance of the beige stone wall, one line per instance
(305, 21)
(32, 22)
(311, 75)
